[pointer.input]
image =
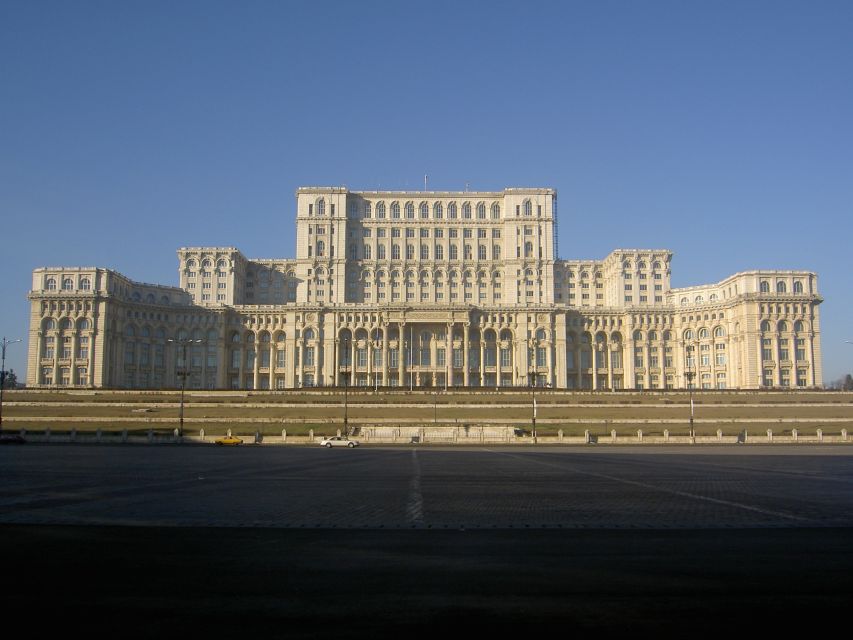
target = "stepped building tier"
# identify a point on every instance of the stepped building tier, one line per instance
(423, 289)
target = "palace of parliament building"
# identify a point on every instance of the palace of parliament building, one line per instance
(423, 289)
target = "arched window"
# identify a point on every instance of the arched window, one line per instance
(190, 264)
(367, 252)
(684, 301)
(380, 210)
(798, 286)
(528, 208)
(719, 332)
(395, 251)
(496, 252)
(380, 252)
(67, 284)
(765, 326)
(164, 300)
(699, 299)
(688, 335)
(222, 264)
(481, 211)
(451, 211)
(410, 210)
(150, 298)
(541, 335)
(50, 285)
(466, 210)
(207, 264)
(799, 326)
(309, 334)
(653, 336)
(129, 331)
(424, 210)
(781, 287)
(395, 210)
(85, 284)
(496, 211)
(764, 287)
(84, 324)
(66, 325)
(321, 207)
(437, 211)
(638, 335)
(367, 210)
(783, 326)
(703, 333)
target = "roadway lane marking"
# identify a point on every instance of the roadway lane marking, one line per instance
(415, 502)
(685, 494)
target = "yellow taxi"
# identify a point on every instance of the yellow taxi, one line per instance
(229, 440)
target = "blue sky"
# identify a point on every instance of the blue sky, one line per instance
(720, 130)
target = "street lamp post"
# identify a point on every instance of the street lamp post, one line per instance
(182, 374)
(691, 374)
(346, 386)
(532, 365)
(5, 343)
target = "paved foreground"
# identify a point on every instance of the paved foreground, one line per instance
(307, 542)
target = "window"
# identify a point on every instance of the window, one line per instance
(410, 210)
(764, 287)
(437, 211)
(395, 210)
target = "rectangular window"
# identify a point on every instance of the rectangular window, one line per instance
(457, 358)
(393, 358)
(505, 358)
(308, 357)
(440, 357)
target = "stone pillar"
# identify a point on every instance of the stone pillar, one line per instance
(498, 369)
(482, 359)
(401, 355)
(629, 381)
(593, 346)
(243, 355)
(465, 363)
(608, 354)
(385, 356)
(273, 355)
(256, 369)
(578, 370)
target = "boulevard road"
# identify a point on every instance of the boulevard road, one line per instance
(383, 540)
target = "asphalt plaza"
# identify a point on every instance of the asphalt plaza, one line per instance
(380, 540)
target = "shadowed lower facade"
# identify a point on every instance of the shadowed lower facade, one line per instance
(423, 289)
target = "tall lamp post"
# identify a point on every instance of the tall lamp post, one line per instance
(183, 343)
(346, 385)
(5, 343)
(532, 366)
(691, 375)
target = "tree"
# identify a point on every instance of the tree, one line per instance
(10, 379)
(848, 383)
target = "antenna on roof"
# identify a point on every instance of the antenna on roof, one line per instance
(426, 179)
(466, 187)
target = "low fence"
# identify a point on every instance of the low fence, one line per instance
(461, 435)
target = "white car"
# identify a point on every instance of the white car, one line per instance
(338, 441)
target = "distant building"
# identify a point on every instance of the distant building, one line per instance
(424, 289)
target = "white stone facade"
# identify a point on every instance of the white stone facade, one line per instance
(424, 289)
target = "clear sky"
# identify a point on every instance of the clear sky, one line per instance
(720, 130)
